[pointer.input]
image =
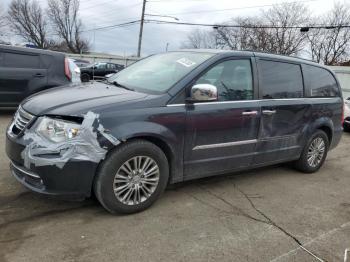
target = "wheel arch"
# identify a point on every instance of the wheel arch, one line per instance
(164, 146)
(324, 123)
(328, 131)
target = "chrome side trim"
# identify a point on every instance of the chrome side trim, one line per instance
(176, 105)
(236, 143)
(257, 100)
(25, 171)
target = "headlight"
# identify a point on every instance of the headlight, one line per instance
(57, 130)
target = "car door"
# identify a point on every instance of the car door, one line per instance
(284, 111)
(221, 136)
(99, 70)
(111, 69)
(20, 72)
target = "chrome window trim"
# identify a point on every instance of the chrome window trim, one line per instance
(236, 143)
(257, 100)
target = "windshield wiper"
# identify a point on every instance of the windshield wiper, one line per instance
(122, 86)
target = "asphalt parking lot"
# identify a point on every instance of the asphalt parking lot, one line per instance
(260, 215)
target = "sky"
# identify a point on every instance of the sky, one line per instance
(123, 40)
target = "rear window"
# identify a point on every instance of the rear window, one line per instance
(16, 60)
(280, 80)
(319, 82)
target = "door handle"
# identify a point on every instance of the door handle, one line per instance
(250, 113)
(269, 112)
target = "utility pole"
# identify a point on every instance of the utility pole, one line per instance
(141, 28)
(166, 47)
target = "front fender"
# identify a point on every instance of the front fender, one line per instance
(157, 132)
(126, 131)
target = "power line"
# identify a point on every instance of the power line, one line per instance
(112, 26)
(236, 8)
(152, 21)
(246, 26)
(174, 1)
(99, 4)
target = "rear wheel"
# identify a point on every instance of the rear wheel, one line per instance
(314, 153)
(132, 178)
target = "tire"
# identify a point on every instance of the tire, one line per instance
(85, 78)
(346, 128)
(105, 184)
(303, 164)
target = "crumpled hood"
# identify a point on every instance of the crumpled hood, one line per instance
(77, 99)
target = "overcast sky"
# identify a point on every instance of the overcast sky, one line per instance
(95, 14)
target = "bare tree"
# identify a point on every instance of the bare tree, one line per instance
(2, 16)
(3, 23)
(200, 39)
(253, 33)
(247, 35)
(331, 45)
(285, 38)
(67, 25)
(27, 19)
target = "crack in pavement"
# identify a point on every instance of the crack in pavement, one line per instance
(42, 214)
(268, 220)
(330, 232)
(271, 222)
(239, 210)
(16, 239)
(238, 213)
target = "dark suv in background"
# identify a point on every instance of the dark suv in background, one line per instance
(174, 117)
(25, 71)
(99, 71)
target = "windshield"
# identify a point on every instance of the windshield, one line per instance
(158, 73)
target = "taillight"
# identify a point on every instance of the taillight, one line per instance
(66, 69)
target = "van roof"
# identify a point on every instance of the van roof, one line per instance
(30, 50)
(255, 53)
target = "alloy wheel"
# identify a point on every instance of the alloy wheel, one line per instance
(316, 152)
(136, 180)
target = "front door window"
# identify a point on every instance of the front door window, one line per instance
(233, 80)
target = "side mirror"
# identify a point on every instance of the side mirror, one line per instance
(203, 93)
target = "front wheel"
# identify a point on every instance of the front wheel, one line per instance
(314, 153)
(132, 177)
(85, 78)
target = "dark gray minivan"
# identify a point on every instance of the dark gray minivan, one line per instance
(25, 71)
(173, 117)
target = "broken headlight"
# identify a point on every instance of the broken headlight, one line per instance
(57, 130)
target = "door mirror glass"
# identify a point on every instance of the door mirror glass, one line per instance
(203, 93)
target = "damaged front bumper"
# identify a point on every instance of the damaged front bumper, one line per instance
(66, 169)
(74, 180)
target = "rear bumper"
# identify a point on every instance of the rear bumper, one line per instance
(74, 180)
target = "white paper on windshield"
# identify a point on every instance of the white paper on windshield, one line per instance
(186, 62)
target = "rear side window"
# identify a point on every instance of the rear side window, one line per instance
(15, 60)
(319, 82)
(280, 80)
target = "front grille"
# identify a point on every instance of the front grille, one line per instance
(21, 120)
